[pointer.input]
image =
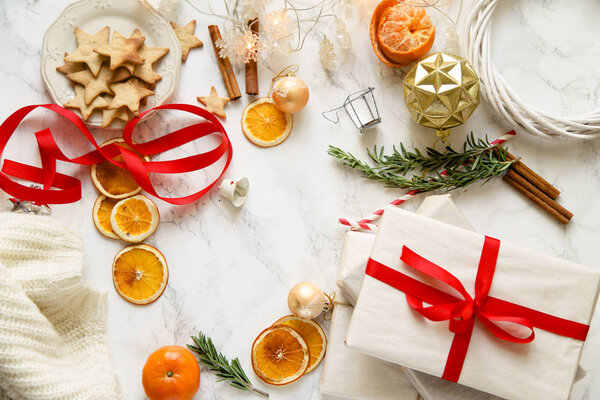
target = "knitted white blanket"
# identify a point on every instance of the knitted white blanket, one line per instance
(52, 328)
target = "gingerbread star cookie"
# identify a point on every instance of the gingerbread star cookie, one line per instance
(86, 44)
(121, 50)
(150, 55)
(120, 74)
(79, 103)
(108, 116)
(128, 94)
(70, 67)
(214, 103)
(186, 37)
(94, 85)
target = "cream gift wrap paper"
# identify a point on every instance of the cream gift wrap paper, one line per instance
(384, 326)
(355, 254)
(351, 374)
(358, 245)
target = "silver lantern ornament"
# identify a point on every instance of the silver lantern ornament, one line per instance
(362, 109)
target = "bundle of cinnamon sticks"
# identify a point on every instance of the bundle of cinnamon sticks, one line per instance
(537, 189)
(231, 84)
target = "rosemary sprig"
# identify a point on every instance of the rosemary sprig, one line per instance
(209, 357)
(478, 160)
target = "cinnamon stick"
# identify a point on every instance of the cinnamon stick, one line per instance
(538, 197)
(251, 67)
(233, 90)
(534, 178)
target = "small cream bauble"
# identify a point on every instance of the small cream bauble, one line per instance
(306, 300)
(290, 94)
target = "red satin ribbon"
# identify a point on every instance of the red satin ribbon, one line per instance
(68, 189)
(461, 312)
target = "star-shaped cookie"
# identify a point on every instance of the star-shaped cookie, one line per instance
(108, 116)
(86, 44)
(186, 37)
(79, 103)
(121, 50)
(150, 55)
(128, 94)
(94, 85)
(119, 75)
(214, 103)
(70, 67)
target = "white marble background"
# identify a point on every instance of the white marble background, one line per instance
(231, 269)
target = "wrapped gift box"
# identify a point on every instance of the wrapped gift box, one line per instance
(351, 374)
(384, 326)
(358, 245)
(343, 368)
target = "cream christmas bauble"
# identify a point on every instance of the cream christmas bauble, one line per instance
(290, 94)
(306, 300)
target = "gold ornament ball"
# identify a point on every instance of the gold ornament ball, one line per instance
(290, 94)
(306, 300)
(441, 91)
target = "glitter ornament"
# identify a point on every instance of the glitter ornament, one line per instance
(307, 300)
(290, 94)
(441, 91)
(327, 54)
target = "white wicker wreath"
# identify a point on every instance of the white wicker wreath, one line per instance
(476, 41)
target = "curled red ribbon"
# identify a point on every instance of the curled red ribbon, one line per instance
(68, 189)
(462, 312)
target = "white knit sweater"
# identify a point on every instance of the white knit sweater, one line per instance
(52, 328)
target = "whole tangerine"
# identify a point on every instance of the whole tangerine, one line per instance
(171, 373)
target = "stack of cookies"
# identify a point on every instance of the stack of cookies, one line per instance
(114, 78)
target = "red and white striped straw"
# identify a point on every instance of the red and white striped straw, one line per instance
(366, 223)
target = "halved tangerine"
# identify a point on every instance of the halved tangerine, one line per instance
(313, 335)
(140, 274)
(400, 34)
(279, 355)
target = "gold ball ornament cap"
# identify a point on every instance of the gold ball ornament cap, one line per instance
(441, 91)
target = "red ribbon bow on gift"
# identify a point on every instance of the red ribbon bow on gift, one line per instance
(69, 188)
(462, 312)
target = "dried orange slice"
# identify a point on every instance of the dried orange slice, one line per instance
(101, 215)
(264, 125)
(313, 335)
(140, 274)
(112, 181)
(134, 219)
(400, 34)
(279, 355)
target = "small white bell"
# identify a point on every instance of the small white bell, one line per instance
(235, 190)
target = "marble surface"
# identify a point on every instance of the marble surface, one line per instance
(231, 269)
